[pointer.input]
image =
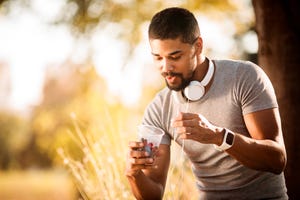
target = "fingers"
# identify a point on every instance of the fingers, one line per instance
(133, 168)
(189, 120)
(141, 161)
(186, 120)
(185, 132)
(188, 125)
(186, 116)
(138, 153)
(135, 145)
(185, 123)
(138, 158)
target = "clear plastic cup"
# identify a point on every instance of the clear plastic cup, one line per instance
(151, 136)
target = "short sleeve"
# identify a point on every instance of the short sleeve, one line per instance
(254, 89)
(153, 116)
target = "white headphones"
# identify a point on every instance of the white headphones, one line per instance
(195, 90)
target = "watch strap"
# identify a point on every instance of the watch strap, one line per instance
(227, 142)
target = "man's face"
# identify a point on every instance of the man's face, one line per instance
(175, 60)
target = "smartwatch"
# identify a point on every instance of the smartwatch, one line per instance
(228, 140)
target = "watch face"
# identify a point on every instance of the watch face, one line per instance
(229, 138)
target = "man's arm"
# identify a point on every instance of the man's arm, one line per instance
(264, 150)
(147, 179)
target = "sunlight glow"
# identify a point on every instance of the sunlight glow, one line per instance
(29, 46)
(250, 42)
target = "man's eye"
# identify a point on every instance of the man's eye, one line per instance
(175, 57)
(157, 58)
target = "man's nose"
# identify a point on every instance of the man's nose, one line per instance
(167, 65)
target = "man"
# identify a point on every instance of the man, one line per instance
(232, 131)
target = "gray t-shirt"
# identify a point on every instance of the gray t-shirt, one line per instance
(238, 88)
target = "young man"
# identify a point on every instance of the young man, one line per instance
(231, 130)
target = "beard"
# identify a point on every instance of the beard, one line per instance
(183, 81)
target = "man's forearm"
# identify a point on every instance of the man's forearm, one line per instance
(144, 188)
(264, 155)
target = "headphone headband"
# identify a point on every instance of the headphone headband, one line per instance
(195, 90)
(209, 74)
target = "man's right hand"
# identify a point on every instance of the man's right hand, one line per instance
(147, 174)
(137, 159)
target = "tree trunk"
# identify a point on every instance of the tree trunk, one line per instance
(278, 30)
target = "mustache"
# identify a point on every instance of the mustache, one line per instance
(164, 74)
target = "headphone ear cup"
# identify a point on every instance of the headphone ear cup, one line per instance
(178, 97)
(194, 91)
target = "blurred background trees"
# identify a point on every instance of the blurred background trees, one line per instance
(77, 87)
(30, 138)
(278, 28)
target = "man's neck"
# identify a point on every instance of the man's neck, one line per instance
(201, 69)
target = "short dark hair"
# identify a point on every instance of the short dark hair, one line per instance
(172, 23)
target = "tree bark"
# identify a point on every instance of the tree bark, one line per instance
(278, 30)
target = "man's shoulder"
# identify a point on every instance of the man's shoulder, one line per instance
(232, 62)
(236, 66)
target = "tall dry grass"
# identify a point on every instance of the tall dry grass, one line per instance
(98, 163)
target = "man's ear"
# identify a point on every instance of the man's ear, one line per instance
(199, 45)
